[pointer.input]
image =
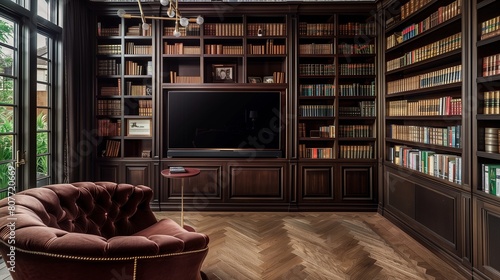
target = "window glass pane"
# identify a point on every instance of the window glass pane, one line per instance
(42, 96)
(6, 31)
(43, 9)
(6, 119)
(6, 61)
(42, 143)
(42, 73)
(42, 46)
(42, 120)
(6, 144)
(5, 169)
(6, 90)
(42, 167)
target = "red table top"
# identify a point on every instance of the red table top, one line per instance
(189, 173)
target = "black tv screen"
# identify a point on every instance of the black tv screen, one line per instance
(223, 124)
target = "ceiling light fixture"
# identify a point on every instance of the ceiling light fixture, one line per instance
(173, 13)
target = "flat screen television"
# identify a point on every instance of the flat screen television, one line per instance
(223, 124)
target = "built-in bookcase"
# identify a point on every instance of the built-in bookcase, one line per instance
(426, 121)
(252, 49)
(337, 92)
(423, 98)
(485, 136)
(124, 89)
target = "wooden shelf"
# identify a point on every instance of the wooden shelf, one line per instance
(429, 90)
(428, 146)
(427, 33)
(424, 64)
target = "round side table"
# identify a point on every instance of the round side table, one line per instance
(190, 172)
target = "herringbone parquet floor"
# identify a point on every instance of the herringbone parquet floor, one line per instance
(297, 246)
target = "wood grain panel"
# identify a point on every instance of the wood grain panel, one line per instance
(317, 182)
(400, 194)
(108, 173)
(256, 182)
(486, 241)
(436, 211)
(137, 174)
(357, 183)
(206, 184)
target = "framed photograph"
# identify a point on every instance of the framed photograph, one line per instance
(224, 73)
(138, 127)
(254, 80)
(268, 79)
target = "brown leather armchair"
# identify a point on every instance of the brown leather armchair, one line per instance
(97, 230)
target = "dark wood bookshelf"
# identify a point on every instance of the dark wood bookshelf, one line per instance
(429, 90)
(415, 17)
(443, 59)
(428, 33)
(423, 145)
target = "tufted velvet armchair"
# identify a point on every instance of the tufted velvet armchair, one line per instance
(97, 230)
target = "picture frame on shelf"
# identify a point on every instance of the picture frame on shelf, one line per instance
(224, 73)
(139, 127)
(268, 79)
(254, 80)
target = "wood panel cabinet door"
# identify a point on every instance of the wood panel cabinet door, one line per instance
(486, 240)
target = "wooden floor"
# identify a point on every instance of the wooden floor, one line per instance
(296, 246)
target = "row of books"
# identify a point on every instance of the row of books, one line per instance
(357, 89)
(108, 107)
(107, 67)
(443, 14)
(112, 148)
(357, 69)
(316, 69)
(490, 139)
(325, 131)
(440, 47)
(138, 31)
(364, 109)
(445, 166)
(490, 179)
(435, 78)
(442, 106)
(490, 28)
(323, 153)
(316, 110)
(268, 48)
(491, 65)
(132, 48)
(190, 30)
(443, 136)
(135, 68)
(317, 89)
(180, 48)
(491, 103)
(223, 49)
(266, 29)
(356, 151)
(223, 29)
(412, 6)
(146, 107)
(174, 78)
(356, 48)
(108, 31)
(109, 49)
(111, 90)
(279, 77)
(138, 90)
(358, 28)
(316, 48)
(356, 131)
(107, 127)
(315, 29)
